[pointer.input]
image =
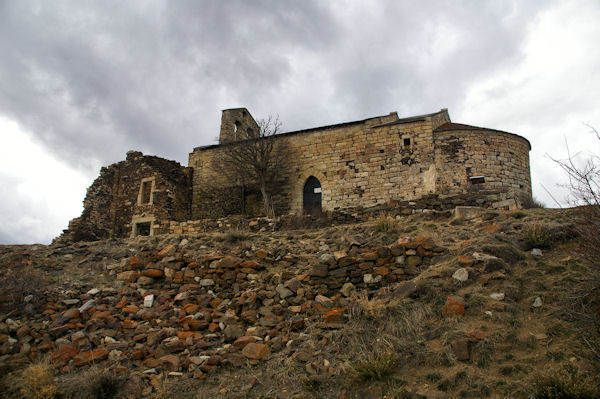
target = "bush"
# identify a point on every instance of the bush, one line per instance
(375, 367)
(566, 383)
(16, 284)
(37, 382)
(532, 203)
(94, 383)
(385, 224)
(537, 235)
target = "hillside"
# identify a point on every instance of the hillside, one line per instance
(424, 305)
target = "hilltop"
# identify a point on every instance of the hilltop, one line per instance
(491, 304)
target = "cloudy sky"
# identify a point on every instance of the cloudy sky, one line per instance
(82, 82)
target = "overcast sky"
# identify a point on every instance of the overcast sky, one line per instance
(83, 82)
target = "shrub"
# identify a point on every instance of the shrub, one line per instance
(94, 383)
(375, 367)
(16, 284)
(37, 382)
(385, 224)
(532, 203)
(537, 235)
(566, 383)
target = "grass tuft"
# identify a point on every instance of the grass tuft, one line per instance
(375, 367)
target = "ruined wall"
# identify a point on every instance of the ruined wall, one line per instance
(463, 151)
(117, 195)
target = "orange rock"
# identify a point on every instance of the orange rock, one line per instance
(492, 227)
(190, 308)
(455, 305)
(185, 334)
(130, 309)
(172, 362)
(212, 327)
(100, 315)
(129, 276)
(334, 315)
(382, 271)
(466, 260)
(196, 325)
(83, 358)
(64, 354)
(425, 242)
(129, 324)
(134, 261)
(243, 341)
(256, 351)
(168, 250)
(157, 273)
(252, 264)
(261, 253)
(215, 302)
(121, 304)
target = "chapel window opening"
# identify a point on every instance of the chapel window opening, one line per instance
(142, 229)
(146, 192)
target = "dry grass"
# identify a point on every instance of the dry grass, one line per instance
(34, 382)
(565, 383)
(20, 286)
(386, 224)
(537, 235)
(376, 366)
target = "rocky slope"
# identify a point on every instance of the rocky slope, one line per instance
(425, 305)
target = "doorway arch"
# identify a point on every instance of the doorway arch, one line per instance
(311, 196)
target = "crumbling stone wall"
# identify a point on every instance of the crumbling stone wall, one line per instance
(377, 160)
(117, 196)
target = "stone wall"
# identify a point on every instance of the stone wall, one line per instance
(463, 152)
(141, 188)
(370, 162)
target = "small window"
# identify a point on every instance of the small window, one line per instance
(477, 179)
(146, 192)
(142, 229)
(407, 142)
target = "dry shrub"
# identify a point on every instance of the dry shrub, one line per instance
(537, 235)
(532, 203)
(232, 236)
(565, 383)
(377, 327)
(37, 382)
(16, 284)
(386, 224)
(94, 383)
(376, 366)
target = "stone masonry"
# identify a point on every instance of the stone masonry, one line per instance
(382, 159)
(347, 166)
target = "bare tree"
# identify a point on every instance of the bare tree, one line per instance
(257, 158)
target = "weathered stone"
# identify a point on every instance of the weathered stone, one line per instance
(461, 274)
(256, 351)
(320, 270)
(283, 292)
(348, 290)
(460, 347)
(148, 301)
(128, 276)
(455, 305)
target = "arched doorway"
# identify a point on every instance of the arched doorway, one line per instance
(311, 196)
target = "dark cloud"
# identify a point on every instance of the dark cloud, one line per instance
(91, 80)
